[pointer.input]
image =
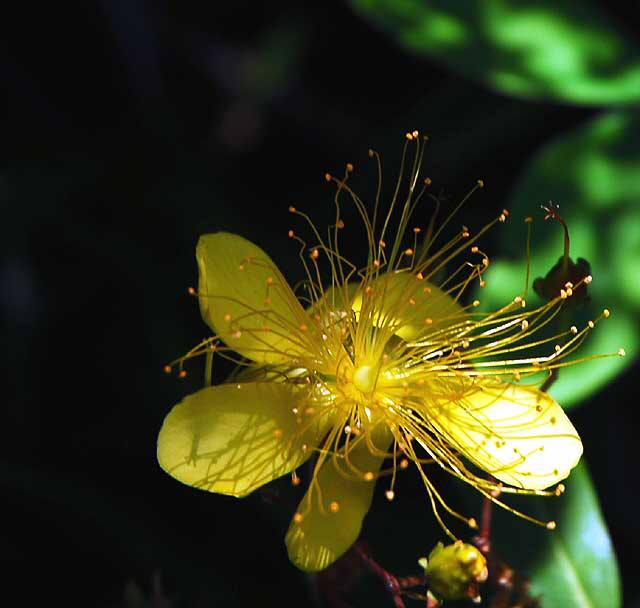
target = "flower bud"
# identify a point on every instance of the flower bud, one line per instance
(455, 571)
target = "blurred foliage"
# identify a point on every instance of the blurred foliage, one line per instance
(593, 174)
(573, 566)
(555, 50)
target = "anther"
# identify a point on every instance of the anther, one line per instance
(298, 518)
(227, 317)
(573, 329)
(368, 476)
(415, 134)
(390, 494)
(191, 291)
(277, 433)
(371, 153)
(505, 212)
(606, 313)
(314, 254)
(557, 348)
(291, 234)
(295, 480)
(269, 280)
(476, 303)
(412, 302)
(524, 324)
(472, 523)
(267, 301)
(474, 249)
(480, 183)
(167, 369)
(551, 525)
(292, 209)
(426, 290)
(427, 181)
(382, 243)
(588, 279)
(622, 352)
(303, 327)
(408, 251)
(563, 294)
(417, 230)
(340, 224)
(409, 136)
(528, 219)
(349, 167)
(560, 488)
(591, 324)
(419, 276)
(404, 463)
(334, 506)
(327, 177)
(237, 334)
(183, 373)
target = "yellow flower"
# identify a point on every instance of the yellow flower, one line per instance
(380, 361)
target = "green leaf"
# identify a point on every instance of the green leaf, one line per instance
(593, 174)
(573, 566)
(559, 50)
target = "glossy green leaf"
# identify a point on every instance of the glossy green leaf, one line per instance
(558, 50)
(593, 174)
(573, 566)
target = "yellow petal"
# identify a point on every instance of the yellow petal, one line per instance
(518, 434)
(412, 308)
(246, 301)
(233, 438)
(332, 517)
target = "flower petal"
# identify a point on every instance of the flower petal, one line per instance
(325, 533)
(412, 308)
(233, 438)
(246, 301)
(518, 434)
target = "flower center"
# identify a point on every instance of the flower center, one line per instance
(364, 378)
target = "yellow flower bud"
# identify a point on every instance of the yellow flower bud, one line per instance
(455, 571)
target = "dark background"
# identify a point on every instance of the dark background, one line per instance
(130, 129)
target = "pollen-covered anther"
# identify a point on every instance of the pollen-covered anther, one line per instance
(295, 480)
(267, 301)
(191, 291)
(563, 294)
(303, 327)
(237, 334)
(327, 177)
(291, 234)
(591, 324)
(408, 251)
(622, 352)
(465, 232)
(573, 329)
(476, 303)
(419, 276)
(349, 167)
(368, 476)
(404, 463)
(269, 280)
(304, 447)
(427, 181)
(376, 263)
(382, 243)
(368, 290)
(605, 313)
(502, 217)
(472, 523)
(227, 317)
(465, 344)
(569, 292)
(340, 224)
(524, 325)
(588, 279)
(409, 136)
(390, 494)
(292, 209)
(277, 433)
(371, 153)
(426, 290)
(334, 506)
(560, 488)
(298, 517)
(167, 369)
(417, 230)
(480, 183)
(557, 348)
(551, 525)
(412, 302)
(474, 249)
(415, 133)
(314, 254)
(528, 219)
(428, 321)
(483, 283)
(310, 411)
(182, 373)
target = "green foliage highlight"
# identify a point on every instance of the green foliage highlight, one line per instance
(600, 208)
(558, 50)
